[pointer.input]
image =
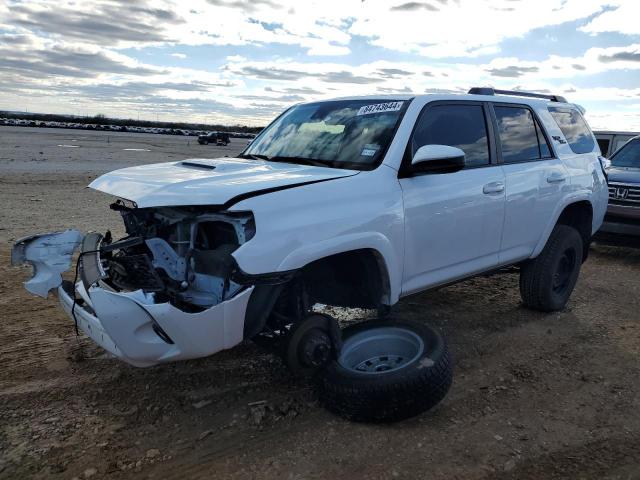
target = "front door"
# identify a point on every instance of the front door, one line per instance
(453, 221)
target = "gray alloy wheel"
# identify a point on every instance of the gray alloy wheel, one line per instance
(381, 349)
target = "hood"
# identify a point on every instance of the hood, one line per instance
(207, 181)
(624, 175)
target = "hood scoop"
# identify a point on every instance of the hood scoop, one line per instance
(204, 166)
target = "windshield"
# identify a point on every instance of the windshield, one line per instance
(628, 155)
(340, 133)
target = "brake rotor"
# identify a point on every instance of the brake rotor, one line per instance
(311, 344)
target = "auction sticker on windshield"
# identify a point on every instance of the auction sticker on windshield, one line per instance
(369, 150)
(380, 108)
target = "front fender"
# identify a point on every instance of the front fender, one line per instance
(356, 241)
(300, 225)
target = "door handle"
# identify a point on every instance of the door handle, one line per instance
(493, 187)
(556, 178)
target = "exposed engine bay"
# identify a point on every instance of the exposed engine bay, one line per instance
(178, 255)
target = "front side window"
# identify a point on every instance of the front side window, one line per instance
(341, 133)
(461, 126)
(520, 135)
(574, 128)
(628, 156)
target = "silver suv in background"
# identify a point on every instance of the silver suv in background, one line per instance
(610, 141)
(623, 212)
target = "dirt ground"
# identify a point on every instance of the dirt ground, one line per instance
(535, 396)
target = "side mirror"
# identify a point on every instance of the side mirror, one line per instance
(605, 162)
(438, 159)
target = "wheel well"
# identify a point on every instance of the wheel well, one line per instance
(579, 215)
(357, 278)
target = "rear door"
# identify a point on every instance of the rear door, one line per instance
(534, 179)
(453, 221)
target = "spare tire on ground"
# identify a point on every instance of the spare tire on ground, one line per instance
(387, 371)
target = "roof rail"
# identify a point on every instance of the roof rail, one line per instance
(493, 91)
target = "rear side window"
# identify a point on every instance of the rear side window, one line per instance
(461, 126)
(574, 128)
(520, 135)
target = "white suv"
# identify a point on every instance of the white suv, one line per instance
(355, 202)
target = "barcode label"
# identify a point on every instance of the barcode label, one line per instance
(380, 108)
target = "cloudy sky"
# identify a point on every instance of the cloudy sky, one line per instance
(243, 61)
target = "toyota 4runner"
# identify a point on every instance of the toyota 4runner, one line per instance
(355, 202)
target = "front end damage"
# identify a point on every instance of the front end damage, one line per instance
(169, 290)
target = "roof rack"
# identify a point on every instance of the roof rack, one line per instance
(493, 91)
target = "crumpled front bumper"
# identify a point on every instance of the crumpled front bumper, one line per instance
(130, 325)
(133, 328)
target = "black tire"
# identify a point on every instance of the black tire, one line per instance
(388, 395)
(547, 281)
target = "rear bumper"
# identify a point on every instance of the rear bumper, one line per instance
(136, 330)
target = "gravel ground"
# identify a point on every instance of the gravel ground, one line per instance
(535, 396)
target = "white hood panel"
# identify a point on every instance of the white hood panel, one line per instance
(206, 181)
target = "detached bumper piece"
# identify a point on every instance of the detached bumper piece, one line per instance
(50, 254)
(136, 330)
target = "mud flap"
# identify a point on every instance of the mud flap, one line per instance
(50, 254)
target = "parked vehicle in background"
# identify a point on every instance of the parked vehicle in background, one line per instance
(355, 202)
(216, 138)
(623, 212)
(610, 141)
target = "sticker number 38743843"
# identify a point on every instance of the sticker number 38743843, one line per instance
(380, 108)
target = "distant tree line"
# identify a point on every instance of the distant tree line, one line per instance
(101, 119)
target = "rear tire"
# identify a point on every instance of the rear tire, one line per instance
(547, 281)
(387, 371)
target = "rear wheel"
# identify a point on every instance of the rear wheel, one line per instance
(546, 283)
(387, 371)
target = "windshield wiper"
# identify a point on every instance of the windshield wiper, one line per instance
(302, 161)
(254, 156)
(297, 160)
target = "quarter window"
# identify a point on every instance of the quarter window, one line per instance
(574, 128)
(461, 126)
(521, 137)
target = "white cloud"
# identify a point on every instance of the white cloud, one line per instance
(63, 52)
(624, 19)
(464, 28)
(434, 29)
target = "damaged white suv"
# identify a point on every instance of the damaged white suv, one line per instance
(354, 202)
